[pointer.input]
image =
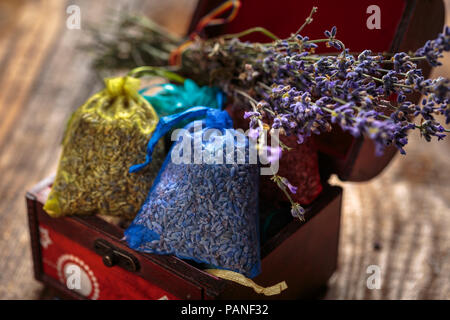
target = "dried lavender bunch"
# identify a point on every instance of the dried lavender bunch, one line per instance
(290, 87)
(286, 86)
(299, 92)
(129, 41)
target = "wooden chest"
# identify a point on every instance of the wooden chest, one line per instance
(304, 254)
(110, 270)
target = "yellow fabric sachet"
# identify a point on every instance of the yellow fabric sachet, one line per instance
(103, 138)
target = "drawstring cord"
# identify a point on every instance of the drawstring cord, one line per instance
(211, 19)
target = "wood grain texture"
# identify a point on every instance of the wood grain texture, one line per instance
(44, 77)
(399, 220)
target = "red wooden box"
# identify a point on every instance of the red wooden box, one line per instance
(302, 254)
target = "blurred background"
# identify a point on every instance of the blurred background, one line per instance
(399, 221)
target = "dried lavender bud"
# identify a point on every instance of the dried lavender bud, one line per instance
(299, 165)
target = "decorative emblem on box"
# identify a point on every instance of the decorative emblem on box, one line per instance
(77, 276)
(45, 237)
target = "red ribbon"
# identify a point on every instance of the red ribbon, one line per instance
(211, 19)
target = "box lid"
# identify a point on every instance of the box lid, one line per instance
(405, 25)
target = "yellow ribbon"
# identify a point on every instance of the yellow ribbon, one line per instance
(244, 281)
(123, 89)
(126, 86)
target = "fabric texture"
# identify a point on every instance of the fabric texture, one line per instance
(203, 211)
(173, 99)
(103, 138)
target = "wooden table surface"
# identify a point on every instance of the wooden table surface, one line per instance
(399, 221)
